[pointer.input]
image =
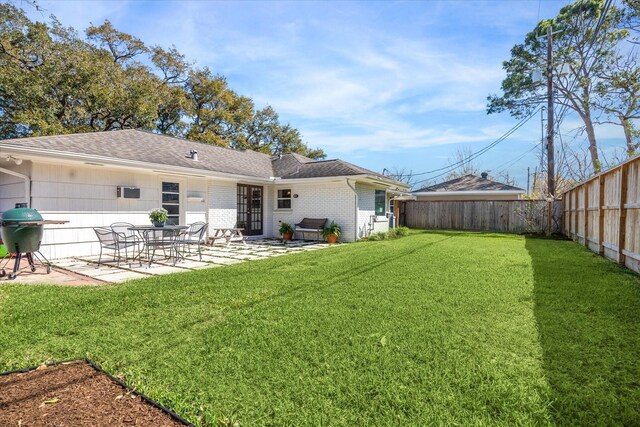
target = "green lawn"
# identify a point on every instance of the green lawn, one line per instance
(434, 328)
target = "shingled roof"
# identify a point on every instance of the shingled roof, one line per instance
(148, 147)
(292, 166)
(141, 146)
(469, 183)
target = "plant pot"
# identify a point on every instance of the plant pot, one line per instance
(159, 223)
(287, 236)
(332, 238)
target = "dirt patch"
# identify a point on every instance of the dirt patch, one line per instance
(56, 277)
(74, 394)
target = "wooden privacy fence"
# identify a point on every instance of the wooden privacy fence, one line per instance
(603, 213)
(509, 216)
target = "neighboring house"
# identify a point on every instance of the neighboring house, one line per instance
(469, 187)
(96, 179)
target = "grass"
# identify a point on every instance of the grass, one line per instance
(434, 328)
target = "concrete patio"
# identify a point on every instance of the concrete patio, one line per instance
(212, 256)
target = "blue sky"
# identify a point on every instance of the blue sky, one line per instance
(380, 84)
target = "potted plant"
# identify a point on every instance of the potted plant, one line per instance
(286, 230)
(332, 232)
(158, 217)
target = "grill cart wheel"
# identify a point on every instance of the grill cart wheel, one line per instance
(33, 268)
(12, 276)
(3, 273)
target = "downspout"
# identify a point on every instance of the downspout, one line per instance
(355, 222)
(27, 183)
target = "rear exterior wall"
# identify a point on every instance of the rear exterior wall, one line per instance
(86, 197)
(368, 222)
(332, 200)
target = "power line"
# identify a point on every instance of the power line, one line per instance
(478, 153)
(483, 150)
(506, 165)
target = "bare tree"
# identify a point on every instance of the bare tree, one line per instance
(462, 162)
(401, 174)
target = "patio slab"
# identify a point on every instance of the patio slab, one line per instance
(85, 269)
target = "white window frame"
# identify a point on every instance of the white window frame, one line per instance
(278, 198)
(385, 203)
(182, 205)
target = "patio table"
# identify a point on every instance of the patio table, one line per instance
(160, 238)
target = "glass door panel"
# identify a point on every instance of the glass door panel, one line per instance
(250, 209)
(171, 201)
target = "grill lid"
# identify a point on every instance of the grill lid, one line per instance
(21, 213)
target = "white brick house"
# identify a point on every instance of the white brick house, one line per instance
(77, 177)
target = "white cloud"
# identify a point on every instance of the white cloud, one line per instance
(396, 138)
(346, 74)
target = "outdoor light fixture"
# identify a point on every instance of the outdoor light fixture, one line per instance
(295, 196)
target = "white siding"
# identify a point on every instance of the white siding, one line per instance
(332, 200)
(86, 197)
(12, 188)
(222, 204)
(367, 221)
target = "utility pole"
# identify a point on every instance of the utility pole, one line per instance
(551, 169)
(528, 177)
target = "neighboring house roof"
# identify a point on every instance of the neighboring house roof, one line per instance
(470, 183)
(148, 147)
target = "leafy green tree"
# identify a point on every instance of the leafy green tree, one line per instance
(52, 82)
(265, 133)
(619, 90)
(122, 46)
(633, 17)
(581, 50)
(174, 101)
(217, 111)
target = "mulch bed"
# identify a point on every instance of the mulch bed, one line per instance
(75, 393)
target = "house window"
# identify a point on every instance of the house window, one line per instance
(381, 202)
(171, 201)
(391, 207)
(284, 199)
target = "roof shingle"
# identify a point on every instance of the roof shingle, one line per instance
(469, 183)
(159, 149)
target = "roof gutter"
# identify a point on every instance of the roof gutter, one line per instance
(27, 183)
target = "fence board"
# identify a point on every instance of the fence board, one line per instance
(604, 210)
(513, 216)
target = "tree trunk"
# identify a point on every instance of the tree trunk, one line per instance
(593, 146)
(626, 125)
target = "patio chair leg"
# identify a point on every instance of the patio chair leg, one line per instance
(100, 257)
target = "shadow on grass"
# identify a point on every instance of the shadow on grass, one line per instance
(588, 317)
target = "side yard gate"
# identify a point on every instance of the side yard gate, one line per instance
(603, 213)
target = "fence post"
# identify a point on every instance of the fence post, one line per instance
(570, 215)
(601, 216)
(585, 231)
(623, 213)
(549, 217)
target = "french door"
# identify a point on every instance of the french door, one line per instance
(250, 209)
